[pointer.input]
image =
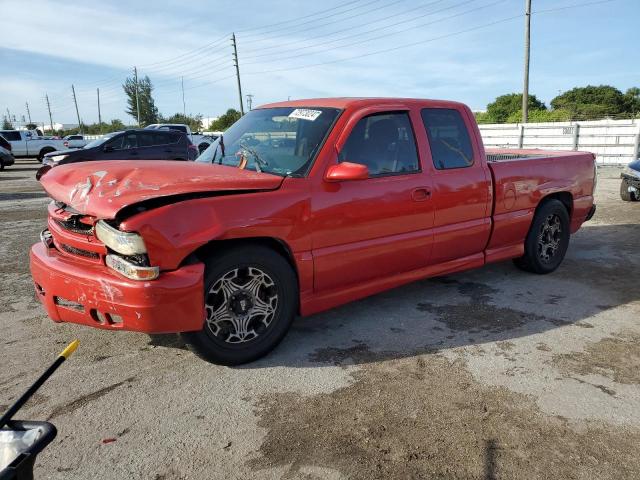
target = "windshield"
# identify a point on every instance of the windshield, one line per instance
(99, 141)
(282, 141)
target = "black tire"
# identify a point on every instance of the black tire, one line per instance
(548, 239)
(1, 165)
(220, 341)
(44, 151)
(625, 194)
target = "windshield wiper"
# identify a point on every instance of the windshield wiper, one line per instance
(221, 145)
(259, 161)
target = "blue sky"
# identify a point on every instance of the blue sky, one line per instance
(429, 49)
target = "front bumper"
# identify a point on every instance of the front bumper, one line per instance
(7, 159)
(631, 180)
(91, 294)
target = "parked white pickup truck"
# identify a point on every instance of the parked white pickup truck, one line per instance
(27, 143)
(74, 141)
(199, 140)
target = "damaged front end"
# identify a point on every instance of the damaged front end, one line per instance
(89, 272)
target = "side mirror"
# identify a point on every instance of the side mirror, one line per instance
(108, 148)
(346, 171)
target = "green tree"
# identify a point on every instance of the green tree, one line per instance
(97, 128)
(227, 119)
(31, 126)
(148, 110)
(6, 124)
(592, 102)
(195, 123)
(539, 116)
(632, 97)
(502, 107)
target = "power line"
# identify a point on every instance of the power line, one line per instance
(315, 25)
(347, 29)
(188, 53)
(368, 40)
(305, 16)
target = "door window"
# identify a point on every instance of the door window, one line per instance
(448, 138)
(130, 141)
(116, 143)
(146, 139)
(384, 143)
(11, 136)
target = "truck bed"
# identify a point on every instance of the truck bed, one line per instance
(522, 178)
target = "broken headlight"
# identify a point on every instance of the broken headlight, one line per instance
(122, 242)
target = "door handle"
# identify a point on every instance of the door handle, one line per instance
(421, 194)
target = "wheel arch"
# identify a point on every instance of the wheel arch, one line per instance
(566, 198)
(46, 149)
(276, 244)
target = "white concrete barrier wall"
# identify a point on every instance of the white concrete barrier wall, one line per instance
(612, 141)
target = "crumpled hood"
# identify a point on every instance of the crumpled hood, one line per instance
(101, 189)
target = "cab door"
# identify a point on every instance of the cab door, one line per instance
(461, 186)
(369, 229)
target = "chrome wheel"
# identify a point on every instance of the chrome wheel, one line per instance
(549, 237)
(241, 305)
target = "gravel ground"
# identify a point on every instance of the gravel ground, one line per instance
(492, 373)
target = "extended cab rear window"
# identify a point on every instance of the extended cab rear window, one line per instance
(449, 139)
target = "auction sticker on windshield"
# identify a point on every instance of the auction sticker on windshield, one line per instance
(305, 114)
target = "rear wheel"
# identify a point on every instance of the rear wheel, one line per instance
(1, 165)
(625, 194)
(251, 298)
(548, 239)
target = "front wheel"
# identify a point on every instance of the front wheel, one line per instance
(626, 194)
(548, 239)
(250, 300)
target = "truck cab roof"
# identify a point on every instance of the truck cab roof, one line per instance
(363, 102)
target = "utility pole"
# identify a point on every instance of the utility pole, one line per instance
(184, 108)
(8, 114)
(99, 115)
(249, 101)
(75, 100)
(135, 76)
(28, 112)
(49, 108)
(235, 62)
(527, 49)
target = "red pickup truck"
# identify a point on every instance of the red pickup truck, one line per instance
(299, 207)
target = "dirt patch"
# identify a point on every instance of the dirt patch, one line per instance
(617, 358)
(427, 418)
(479, 315)
(477, 318)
